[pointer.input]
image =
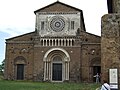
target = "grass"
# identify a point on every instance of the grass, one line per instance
(27, 85)
(23, 85)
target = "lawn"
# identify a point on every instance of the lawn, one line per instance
(23, 85)
(29, 85)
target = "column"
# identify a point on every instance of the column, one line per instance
(45, 71)
(49, 42)
(68, 72)
(70, 42)
(61, 42)
(58, 42)
(52, 42)
(46, 41)
(67, 42)
(43, 42)
(49, 71)
(55, 42)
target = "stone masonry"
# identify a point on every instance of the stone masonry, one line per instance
(110, 40)
(59, 49)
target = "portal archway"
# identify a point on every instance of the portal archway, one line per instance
(95, 66)
(19, 63)
(56, 60)
(57, 69)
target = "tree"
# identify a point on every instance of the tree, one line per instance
(2, 67)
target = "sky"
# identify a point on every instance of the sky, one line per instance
(17, 16)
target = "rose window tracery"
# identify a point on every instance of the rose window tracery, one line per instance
(57, 24)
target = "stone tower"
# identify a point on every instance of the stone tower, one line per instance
(113, 6)
(110, 39)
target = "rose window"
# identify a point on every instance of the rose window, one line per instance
(57, 24)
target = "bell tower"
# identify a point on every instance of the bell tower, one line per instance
(113, 6)
(110, 39)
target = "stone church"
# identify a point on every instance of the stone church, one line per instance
(58, 50)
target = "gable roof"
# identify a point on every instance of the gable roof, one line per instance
(61, 7)
(22, 37)
(58, 7)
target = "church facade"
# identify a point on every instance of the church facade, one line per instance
(58, 50)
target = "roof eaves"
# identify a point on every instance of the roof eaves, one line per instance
(19, 36)
(59, 3)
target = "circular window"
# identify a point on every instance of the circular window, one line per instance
(57, 24)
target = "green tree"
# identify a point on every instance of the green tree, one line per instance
(2, 67)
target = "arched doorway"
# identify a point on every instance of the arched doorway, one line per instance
(96, 68)
(57, 69)
(56, 65)
(19, 62)
(20, 72)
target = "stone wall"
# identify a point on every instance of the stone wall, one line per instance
(113, 6)
(116, 6)
(110, 39)
(110, 43)
(66, 17)
(79, 50)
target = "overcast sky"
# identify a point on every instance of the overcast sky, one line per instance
(17, 16)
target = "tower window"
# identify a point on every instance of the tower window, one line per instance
(72, 24)
(110, 6)
(42, 25)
